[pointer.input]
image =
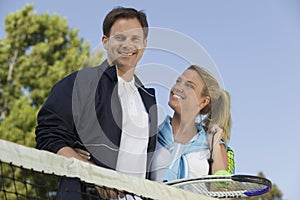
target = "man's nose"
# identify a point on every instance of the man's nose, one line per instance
(127, 43)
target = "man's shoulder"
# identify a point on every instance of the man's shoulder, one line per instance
(92, 72)
(67, 80)
(86, 74)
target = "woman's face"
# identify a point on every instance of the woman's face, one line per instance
(185, 96)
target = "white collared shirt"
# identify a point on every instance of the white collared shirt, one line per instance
(132, 158)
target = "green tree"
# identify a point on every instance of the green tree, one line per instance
(38, 50)
(94, 58)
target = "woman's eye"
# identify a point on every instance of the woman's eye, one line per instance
(188, 85)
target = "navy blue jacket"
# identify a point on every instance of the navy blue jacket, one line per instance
(83, 110)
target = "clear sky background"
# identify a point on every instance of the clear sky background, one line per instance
(256, 48)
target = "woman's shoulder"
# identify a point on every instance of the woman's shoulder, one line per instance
(165, 123)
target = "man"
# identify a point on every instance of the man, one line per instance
(105, 110)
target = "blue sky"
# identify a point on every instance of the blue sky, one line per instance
(256, 48)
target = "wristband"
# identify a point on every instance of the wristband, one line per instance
(222, 184)
(222, 172)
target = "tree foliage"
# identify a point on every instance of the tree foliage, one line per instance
(94, 58)
(38, 50)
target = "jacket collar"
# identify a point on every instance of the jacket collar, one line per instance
(111, 71)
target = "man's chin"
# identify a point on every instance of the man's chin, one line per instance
(125, 64)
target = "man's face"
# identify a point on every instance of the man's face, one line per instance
(125, 45)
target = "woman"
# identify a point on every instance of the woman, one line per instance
(184, 146)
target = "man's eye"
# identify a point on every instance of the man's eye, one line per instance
(119, 37)
(135, 39)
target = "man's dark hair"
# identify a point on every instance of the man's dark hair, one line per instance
(124, 13)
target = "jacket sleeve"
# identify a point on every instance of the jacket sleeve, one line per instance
(55, 127)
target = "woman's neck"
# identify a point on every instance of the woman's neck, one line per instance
(184, 128)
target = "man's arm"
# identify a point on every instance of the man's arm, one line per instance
(55, 128)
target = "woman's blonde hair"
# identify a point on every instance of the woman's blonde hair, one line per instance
(218, 110)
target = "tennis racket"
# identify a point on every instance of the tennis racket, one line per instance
(225, 186)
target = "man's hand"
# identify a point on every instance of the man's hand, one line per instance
(105, 193)
(84, 154)
(108, 193)
(75, 153)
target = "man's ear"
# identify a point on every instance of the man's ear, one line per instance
(105, 41)
(145, 45)
(145, 42)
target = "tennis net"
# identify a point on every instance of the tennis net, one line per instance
(28, 173)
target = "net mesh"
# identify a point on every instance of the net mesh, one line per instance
(28, 173)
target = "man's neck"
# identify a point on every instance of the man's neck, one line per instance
(126, 75)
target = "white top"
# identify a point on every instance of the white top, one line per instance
(197, 162)
(132, 158)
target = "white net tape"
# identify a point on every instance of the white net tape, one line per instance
(49, 163)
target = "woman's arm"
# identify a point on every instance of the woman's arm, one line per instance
(219, 153)
(220, 158)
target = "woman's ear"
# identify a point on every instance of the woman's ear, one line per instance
(206, 101)
(203, 103)
(105, 41)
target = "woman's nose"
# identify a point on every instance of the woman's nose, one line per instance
(177, 89)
